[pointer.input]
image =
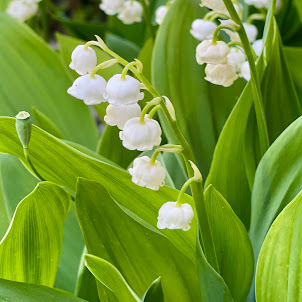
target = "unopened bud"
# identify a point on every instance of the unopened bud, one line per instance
(23, 127)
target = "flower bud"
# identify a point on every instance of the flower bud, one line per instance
(245, 71)
(23, 127)
(89, 89)
(147, 174)
(83, 60)
(160, 14)
(257, 46)
(207, 52)
(123, 91)
(216, 5)
(236, 57)
(203, 30)
(221, 74)
(258, 3)
(142, 136)
(112, 7)
(119, 115)
(173, 216)
(131, 12)
(22, 10)
(251, 31)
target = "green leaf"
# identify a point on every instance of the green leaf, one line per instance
(22, 292)
(4, 4)
(299, 8)
(42, 83)
(135, 248)
(201, 108)
(107, 274)
(30, 250)
(278, 276)
(145, 57)
(154, 292)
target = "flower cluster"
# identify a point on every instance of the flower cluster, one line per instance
(127, 11)
(23, 10)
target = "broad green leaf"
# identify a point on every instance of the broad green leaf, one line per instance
(201, 108)
(154, 292)
(4, 4)
(21, 292)
(4, 218)
(30, 250)
(34, 76)
(107, 274)
(145, 57)
(137, 250)
(299, 8)
(278, 276)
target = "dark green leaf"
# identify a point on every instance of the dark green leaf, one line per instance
(154, 292)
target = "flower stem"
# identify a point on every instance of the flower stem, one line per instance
(153, 111)
(183, 190)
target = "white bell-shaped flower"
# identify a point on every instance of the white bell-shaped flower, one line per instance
(123, 91)
(207, 52)
(257, 46)
(251, 31)
(89, 89)
(147, 174)
(160, 14)
(258, 3)
(131, 12)
(173, 216)
(221, 74)
(216, 5)
(119, 115)
(83, 60)
(245, 71)
(22, 10)
(202, 29)
(236, 57)
(112, 7)
(142, 136)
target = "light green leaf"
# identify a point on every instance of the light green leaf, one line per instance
(107, 274)
(41, 82)
(30, 250)
(154, 292)
(278, 276)
(299, 8)
(22, 292)
(4, 218)
(145, 57)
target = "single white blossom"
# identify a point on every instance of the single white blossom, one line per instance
(207, 52)
(147, 174)
(257, 46)
(251, 31)
(22, 10)
(142, 136)
(245, 71)
(132, 12)
(173, 216)
(123, 91)
(119, 115)
(258, 3)
(112, 7)
(236, 57)
(160, 14)
(216, 5)
(89, 89)
(203, 30)
(221, 74)
(83, 60)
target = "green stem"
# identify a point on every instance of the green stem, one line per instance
(153, 111)
(126, 69)
(103, 65)
(148, 18)
(183, 190)
(257, 96)
(253, 17)
(26, 154)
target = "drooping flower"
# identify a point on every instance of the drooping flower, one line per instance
(216, 5)
(203, 30)
(132, 12)
(147, 174)
(22, 10)
(112, 7)
(83, 60)
(251, 31)
(257, 46)
(207, 52)
(221, 74)
(119, 115)
(123, 91)
(245, 71)
(89, 89)
(258, 3)
(160, 14)
(174, 216)
(142, 136)
(236, 57)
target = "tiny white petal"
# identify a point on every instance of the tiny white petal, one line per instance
(160, 14)
(22, 115)
(236, 57)
(141, 136)
(207, 52)
(119, 115)
(146, 174)
(221, 74)
(216, 5)
(22, 10)
(203, 30)
(112, 7)
(258, 3)
(257, 46)
(245, 71)
(172, 216)
(123, 91)
(88, 89)
(251, 31)
(131, 12)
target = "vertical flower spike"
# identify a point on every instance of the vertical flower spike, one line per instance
(23, 127)
(83, 60)
(132, 12)
(203, 29)
(146, 173)
(221, 74)
(112, 7)
(22, 10)
(251, 31)
(160, 14)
